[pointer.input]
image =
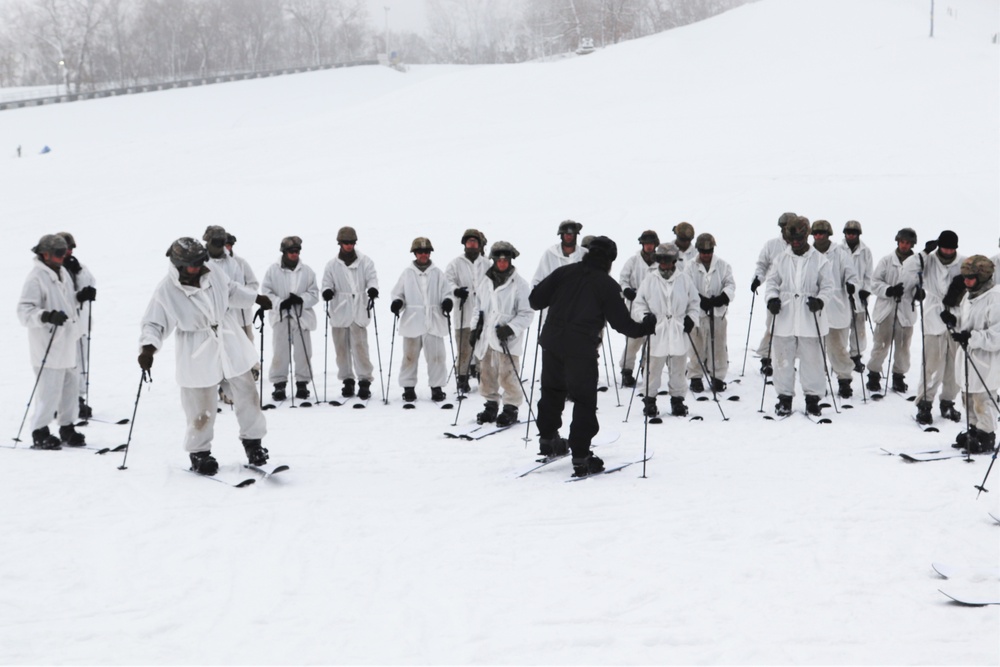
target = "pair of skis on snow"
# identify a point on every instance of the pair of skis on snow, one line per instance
(970, 597)
(238, 481)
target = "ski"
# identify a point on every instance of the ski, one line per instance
(600, 439)
(994, 517)
(267, 470)
(463, 431)
(490, 429)
(925, 428)
(952, 572)
(85, 422)
(235, 482)
(820, 420)
(608, 471)
(973, 599)
(933, 456)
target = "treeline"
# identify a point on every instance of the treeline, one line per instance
(86, 44)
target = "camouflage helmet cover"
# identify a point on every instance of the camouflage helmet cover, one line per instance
(822, 226)
(70, 241)
(503, 249)
(187, 251)
(473, 234)
(569, 227)
(347, 235)
(852, 226)
(979, 266)
(214, 232)
(796, 229)
(785, 218)
(704, 242)
(649, 236)
(907, 234)
(666, 252)
(684, 231)
(50, 243)
(421, 242)
(290, 242)
(585, 243)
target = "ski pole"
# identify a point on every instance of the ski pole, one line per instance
(746, 348)
(392, 347)
(451, 344)
(260, 315)
(291, 364)
(704, 370)
(378, 346)
(892, 344)
(770, 342)
(857, 342)
(923, 337)
(614, 371)
(645, 417)
(534, 368)
(711, 342)
(826, 367)
(305, 351)
(326, 336)
(640, 371)
(145, 377)
(86, 370)
(513, 366)
(38, 377)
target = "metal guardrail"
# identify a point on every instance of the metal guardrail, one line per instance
(206, 80)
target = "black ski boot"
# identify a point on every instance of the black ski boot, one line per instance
(874, 381)
(812, 406)
(965, 439)
(70, 437)
(587, 465)
(858, 366)
(697, 386)
(649, 407)
(554, 446)
(899, 383)
(508, 416)
(301, 390)
(948, 411)
(409, 395)
(677, 407)
(279, 391)
(984, 444)
(348, 389)
(42, 439)
(256, 454)
(783, 408)
(204, 463)
(85, 412)
(437, 394)
(924, 416)
(489, 413)
(765, 367)
(844, 388)
(364, 390)
(718, 386)
(463, 384)
(628, 380)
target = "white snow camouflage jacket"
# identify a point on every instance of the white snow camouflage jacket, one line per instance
(507, 304)
(670, 299)
(889, 272)
(553, 258)
(280, 282)
(838, 308)
(44, 290)
(937, 278)
(793, 279)
(463, 273)
(350, 285)
(713, 281)
(861, 258)
(981, 316)
(422, 293)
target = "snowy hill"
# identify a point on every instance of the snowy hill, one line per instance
(749, 541)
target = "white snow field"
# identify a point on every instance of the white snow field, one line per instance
(748, 542)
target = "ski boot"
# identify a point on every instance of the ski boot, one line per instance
(697, 386)
(677, 407)
(364, 390)
(508, 416)
(984, 444)
(463, 384)
(718, 386)
(948, 411)
(924, 416)
(42, 439)
(85, 412)
(858, 366)
(409, 395)
(587, 465)
(649, 407)
(70, 437)
(965, 439)
(278, 393)
(899, 383)
(812, 406)
(256, 454)
(766, 369)
(489, 413)
(553, 446)
(628, 380)
(348, 389)
(302, 390)
(204, 463)
(783, 408)
(437, 394)
(874, 381)
(844, 388)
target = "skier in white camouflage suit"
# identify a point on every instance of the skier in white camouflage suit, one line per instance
(839, 315)
(772, 248)
(502, 316)
(799, 285)
(350, 287)
(683, 237)
(202, 307)
(567, 251)
(465, 272)
(861, 258)
(893, 287)
(86, 293)
(636, 268)
(48, 308)
(713, 279)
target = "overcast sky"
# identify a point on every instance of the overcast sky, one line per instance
(403, 14)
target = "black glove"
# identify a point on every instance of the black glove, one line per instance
(864, 294)
(774, 305)
(755, 284)
(896, 291)
(478, 331)
(930, 247)
(706, 304)
(372, 292)
(629, 293)
(146, 357)
(295, 299)
(462, 293)
(688, 324)
(396, 306)
(446, 306)
(720, 300)
(88, 293)
(956, 290)
(919, 293)
(648, 324)
(263, 302)
(949, 319)
(56, 317)
(504, 332)
(961, 337)
(327, 294)
(850, 288)
(815, 304)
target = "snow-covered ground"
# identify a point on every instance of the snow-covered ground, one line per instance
(748, 542)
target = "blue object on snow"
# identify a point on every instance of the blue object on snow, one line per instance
(45, 150)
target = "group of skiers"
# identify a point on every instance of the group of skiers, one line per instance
(671, 301)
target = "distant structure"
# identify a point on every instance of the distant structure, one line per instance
(586, 46)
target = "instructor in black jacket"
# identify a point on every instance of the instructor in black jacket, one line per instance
(580, 298)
